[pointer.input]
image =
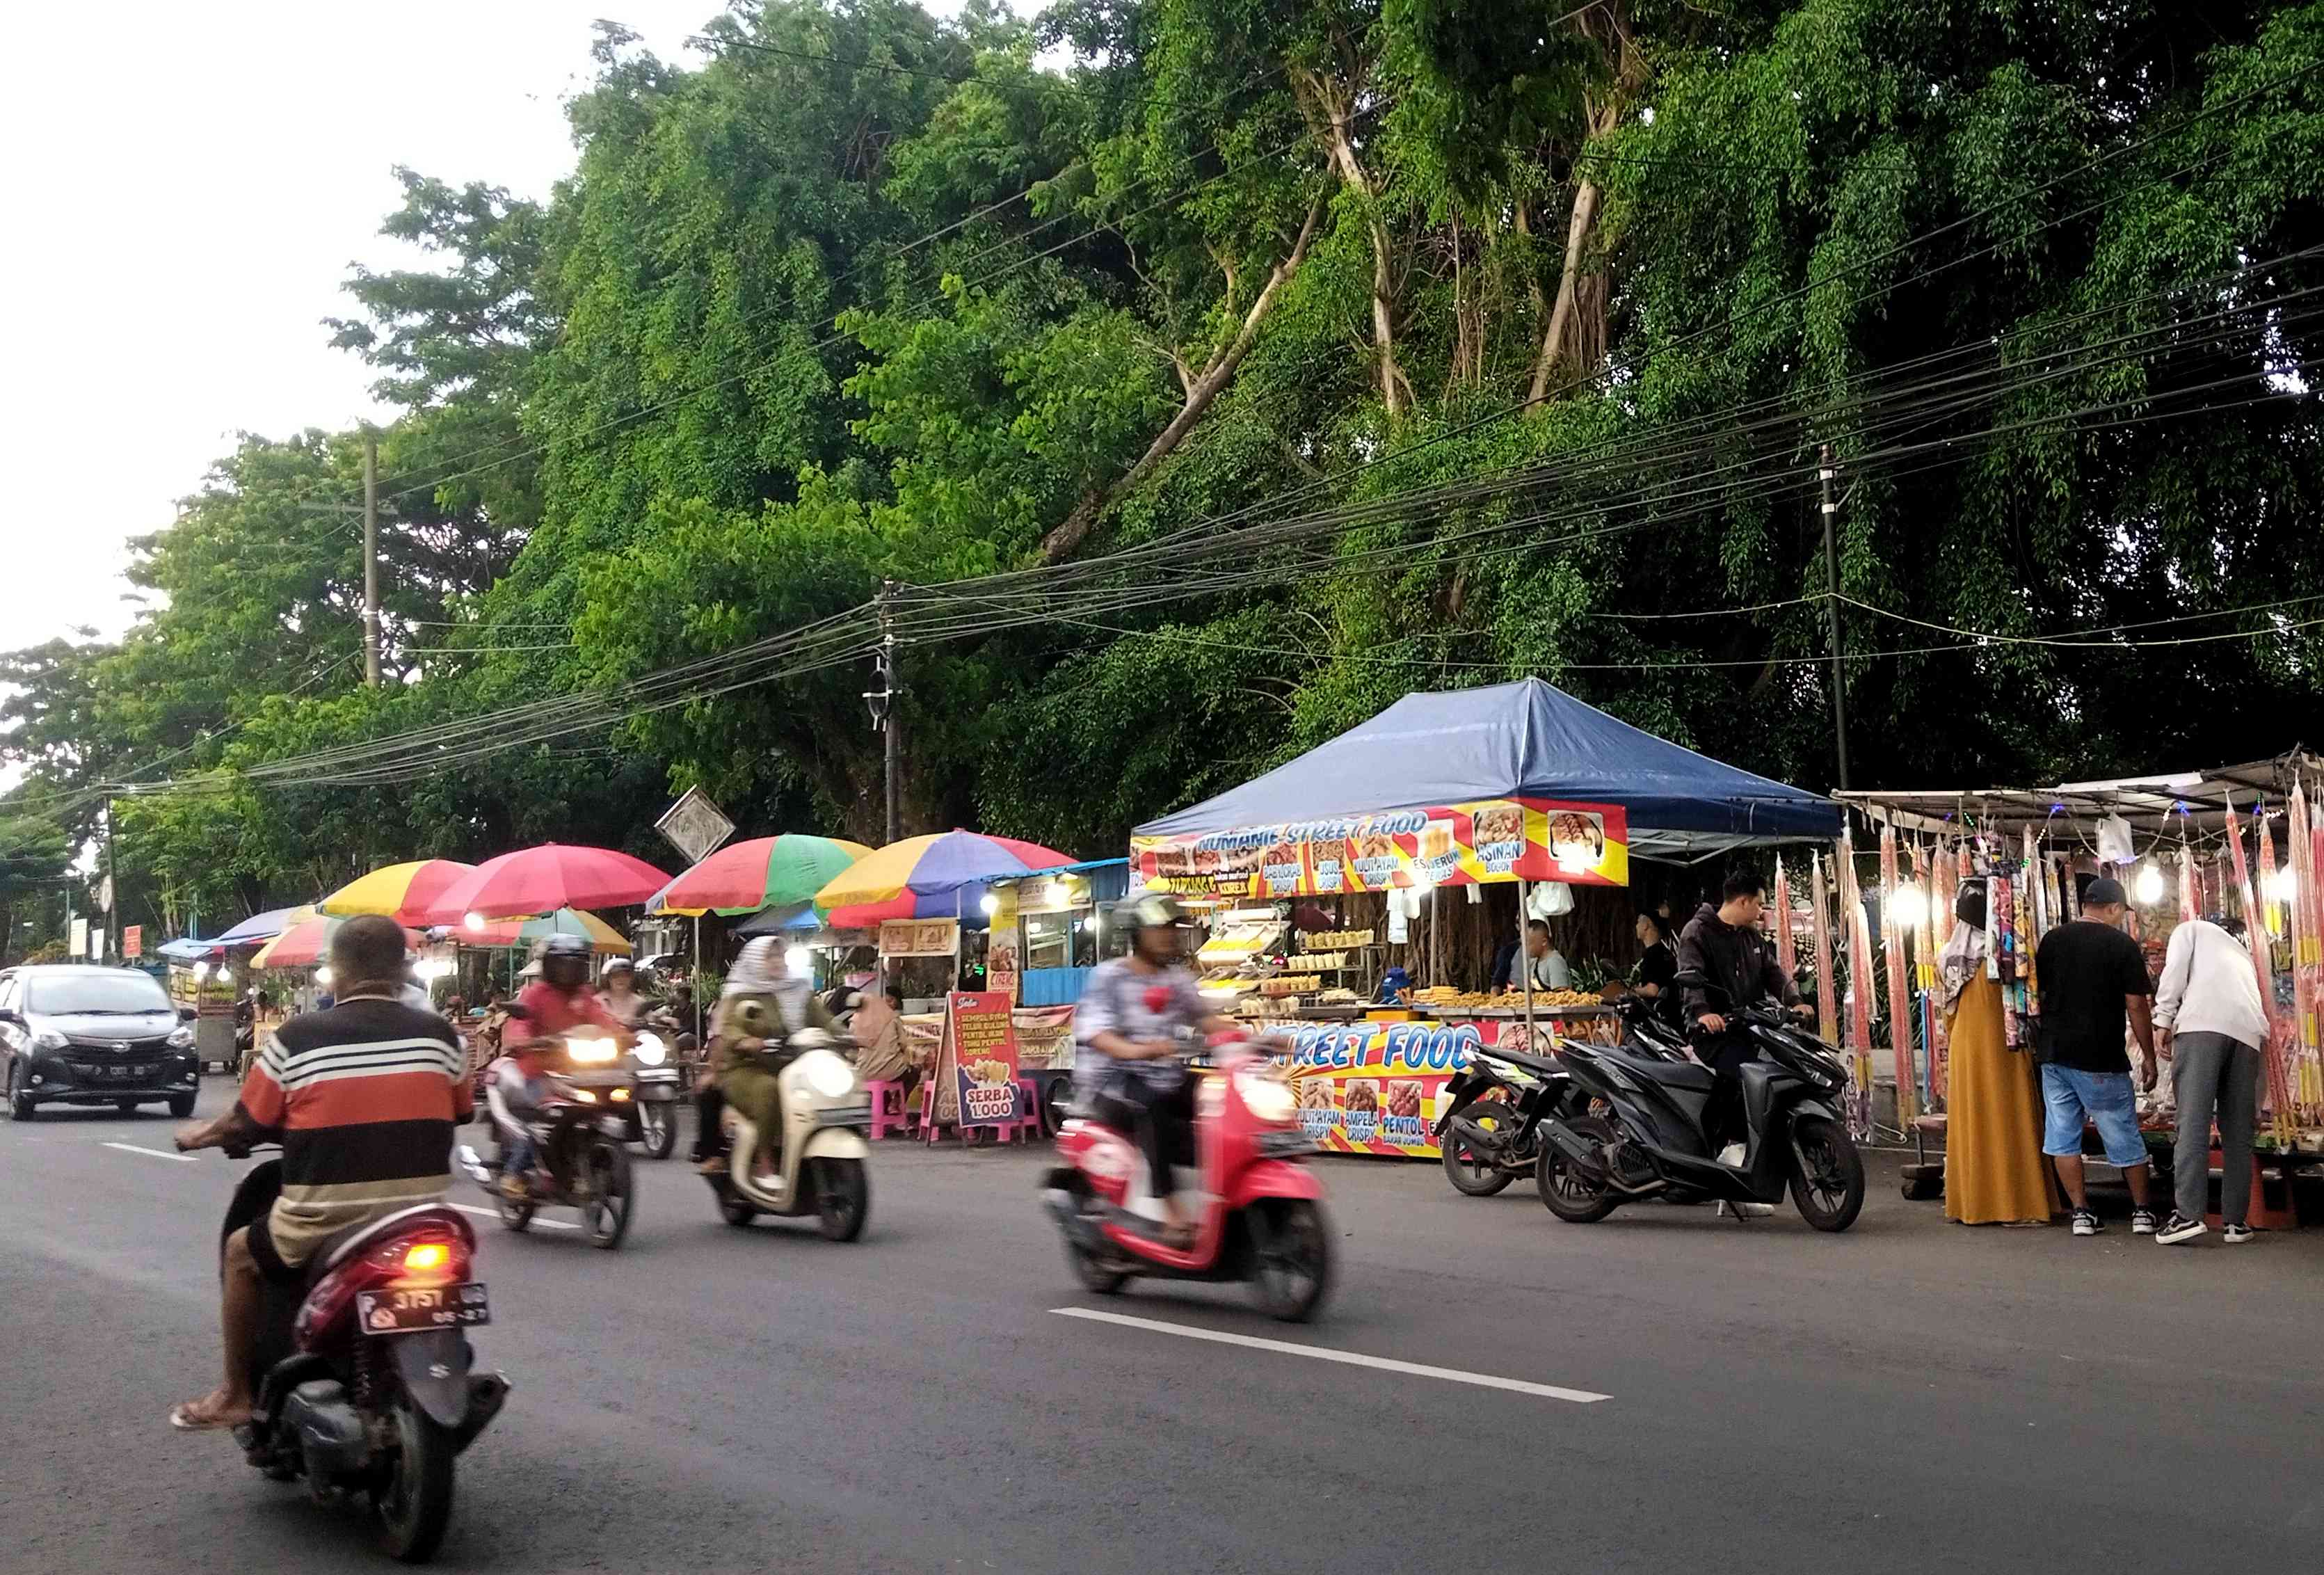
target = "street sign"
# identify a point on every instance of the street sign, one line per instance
(79, 938)
(695, 826)
(132, 941)
(105, 894)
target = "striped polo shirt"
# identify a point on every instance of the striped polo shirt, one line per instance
(364, 1097)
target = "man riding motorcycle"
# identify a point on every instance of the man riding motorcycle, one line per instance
(1129, 1014)
(548, 1008)
(1724, 945)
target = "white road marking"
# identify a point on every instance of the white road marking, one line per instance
(482, 1213)
(1350, 1358)
(152, 1153)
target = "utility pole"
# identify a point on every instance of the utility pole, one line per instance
(371, 558)
(112, 887)
(883, 708)
(1826, 476)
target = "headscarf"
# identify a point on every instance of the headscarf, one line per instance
(762, 969)
(1962, 960)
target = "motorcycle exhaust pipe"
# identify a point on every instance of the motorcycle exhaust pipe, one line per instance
(331, 1435)
(488, 1393)
(1578, 1151)
(1479, 1139)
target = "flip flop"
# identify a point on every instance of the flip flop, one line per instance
(182, 1418)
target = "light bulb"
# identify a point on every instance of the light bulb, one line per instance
(323, 974)
(2149, 884)
(990, 904)
(797, 958)
(1908, 909)
(474, 921)
(2280, 884)
(225, 976)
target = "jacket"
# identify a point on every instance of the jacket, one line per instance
(1740, 961)
(2209, 986)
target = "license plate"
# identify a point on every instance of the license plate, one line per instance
(416, 1310)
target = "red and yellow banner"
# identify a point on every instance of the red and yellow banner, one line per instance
(1455, 845)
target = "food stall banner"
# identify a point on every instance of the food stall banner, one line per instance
(1453, 845)
(919, 937)
(980, 1054)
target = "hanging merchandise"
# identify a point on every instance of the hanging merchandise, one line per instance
(2306, 922)
(2279, 1079)
(2191, 902)
(1786, 951)
(1827, 1017)
(1860, 987)
(2114, 842)
(1927, 873)
(2269, 926)
(1550, 899)
(2001, 960)
(2029, 930)
(1900, 1003)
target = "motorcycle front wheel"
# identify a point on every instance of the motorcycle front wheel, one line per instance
(1472, 1174)
(1291, 1258)
(657, 1128)
(1565, 1192)
(843, 1198)
(613, 1196)
(1827, 1174)
(415, 1503)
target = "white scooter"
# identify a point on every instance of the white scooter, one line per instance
(825, 1115)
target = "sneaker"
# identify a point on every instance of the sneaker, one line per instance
(2142, 1221)
(1731, 1155)
(2237, 1235)
(2178, 1229)
(2086, 1223)
(513, 1187)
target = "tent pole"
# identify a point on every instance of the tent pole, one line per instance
(1526, 964)
(694, 980)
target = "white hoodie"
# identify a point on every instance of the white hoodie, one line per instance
(2209, 986)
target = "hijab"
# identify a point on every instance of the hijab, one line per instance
(762, 969)
(1964, 953)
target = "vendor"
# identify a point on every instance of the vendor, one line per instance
(1548, 964)
(1658, 965)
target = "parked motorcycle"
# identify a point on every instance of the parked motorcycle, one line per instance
(581, 1132)
(364, 1377)
(1650, 1140)
(821, 1167)
(1490, 1126)
(1260, 1213)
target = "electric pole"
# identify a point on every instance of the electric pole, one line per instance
(883, 701)
(1826, 476)
(371, 558)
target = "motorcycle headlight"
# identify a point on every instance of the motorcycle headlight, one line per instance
(589, 1050)
(49, 1040)
(1266, 1097)
(831, 1077)
(649, 1051)
(182, 1037)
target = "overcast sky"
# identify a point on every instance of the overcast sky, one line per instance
(187, 186)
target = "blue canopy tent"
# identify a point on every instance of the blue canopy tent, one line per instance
(1526, 740)
(190, 950)
(263, 926)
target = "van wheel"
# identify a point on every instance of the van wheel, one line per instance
(19, 1103)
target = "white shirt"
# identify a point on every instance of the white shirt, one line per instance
(2209, 986)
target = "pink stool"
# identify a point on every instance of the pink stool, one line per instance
(888, 1110)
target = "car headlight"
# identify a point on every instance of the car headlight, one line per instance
(649, 1051)
(1266, 1097)
(182, 1037)
(831, 1077)
(49, 1040)
(588, 1050)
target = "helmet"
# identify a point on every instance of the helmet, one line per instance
(1155, 909)
(565, 961)
(619, 965)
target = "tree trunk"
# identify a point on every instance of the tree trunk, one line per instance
(1571, 337)
(1201, 395)
(1330, 112)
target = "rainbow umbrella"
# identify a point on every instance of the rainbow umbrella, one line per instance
(603, 939)
(760, 873)
(942, 876)
(402, 892)
(307, 943)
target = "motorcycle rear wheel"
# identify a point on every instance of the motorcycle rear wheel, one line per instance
(516, 1213)
(1471, 1175)
(1291, 1258)
(658, 1125)
(1564, 1190)
(606, 1215)
(415, 1503)
(1827, 1174)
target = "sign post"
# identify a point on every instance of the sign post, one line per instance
(977, 1062)
(696, 828)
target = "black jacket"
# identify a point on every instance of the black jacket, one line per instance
(1740, 961)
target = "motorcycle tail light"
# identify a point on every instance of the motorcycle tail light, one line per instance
(422, 1256)
(423, 1260)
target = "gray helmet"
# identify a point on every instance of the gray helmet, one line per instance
(1157, 909)
(565, 961)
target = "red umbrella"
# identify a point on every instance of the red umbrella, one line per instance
(545, 879)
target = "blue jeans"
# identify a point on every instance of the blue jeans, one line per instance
(519, 1152)
(2105, 1097)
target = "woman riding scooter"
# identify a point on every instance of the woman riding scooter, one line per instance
(744, 1079)
(1129, 1014)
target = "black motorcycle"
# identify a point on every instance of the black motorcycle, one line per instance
(582, 1132)
(1489, 1126)
(1645, 1138)
(364, 1375)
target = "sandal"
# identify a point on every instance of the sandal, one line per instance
(190, 1416)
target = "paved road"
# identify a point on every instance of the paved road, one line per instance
(1908, 1397)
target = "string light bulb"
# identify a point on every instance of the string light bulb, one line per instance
(2149, 885)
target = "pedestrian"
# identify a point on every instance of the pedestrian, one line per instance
(2094, 985)
(1994, 1173)
(2209, 1014)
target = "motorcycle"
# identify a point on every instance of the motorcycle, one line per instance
(1259, 1212)
(364, 1377)
(655, 1094)
(581, 1136)
(1650, 1140)
(1490, 1126)
(821, 1168)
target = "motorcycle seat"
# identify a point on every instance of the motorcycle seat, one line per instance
(341, 1245)
(1687, 1074)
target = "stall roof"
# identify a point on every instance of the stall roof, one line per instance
(1524, 740)
(190, 950)
(263, 926)
(2190, 802)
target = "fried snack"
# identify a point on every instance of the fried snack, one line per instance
(1314, 1092)
(989, 1072)
(1403, 1097)
(1499, 823)
(1576, 834)
(1435, 839)
(1363, 1095)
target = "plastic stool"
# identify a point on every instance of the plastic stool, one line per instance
(889, 1110)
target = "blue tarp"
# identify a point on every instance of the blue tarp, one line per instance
(189, 950)
(1520, 741)
(257, 928)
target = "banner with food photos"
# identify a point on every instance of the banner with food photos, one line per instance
(979, 1057)
(1455, 845)
(1378, 1088)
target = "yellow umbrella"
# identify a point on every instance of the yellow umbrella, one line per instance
(401, 892)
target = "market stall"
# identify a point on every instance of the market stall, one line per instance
(1320, 876)
(2187, 845)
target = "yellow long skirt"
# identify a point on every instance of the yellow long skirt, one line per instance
(1994, 1173)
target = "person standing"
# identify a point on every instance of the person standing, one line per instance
(2094, 984)
(1994, 1170)
(2209, 1014)
(1657, 969)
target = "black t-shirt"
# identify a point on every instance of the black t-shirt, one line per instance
(2084, 970)
(1658, 966)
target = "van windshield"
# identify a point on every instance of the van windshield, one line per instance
(116, 992)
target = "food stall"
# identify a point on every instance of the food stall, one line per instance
(1315, 875)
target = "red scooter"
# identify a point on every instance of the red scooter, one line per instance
(1259, 1213)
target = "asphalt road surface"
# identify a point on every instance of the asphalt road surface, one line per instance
(1910, 1396)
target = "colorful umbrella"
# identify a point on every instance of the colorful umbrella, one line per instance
(545, 879)
(603, 939)
(307, 943)
(402, 892)
(761, 873)
(942, 876)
